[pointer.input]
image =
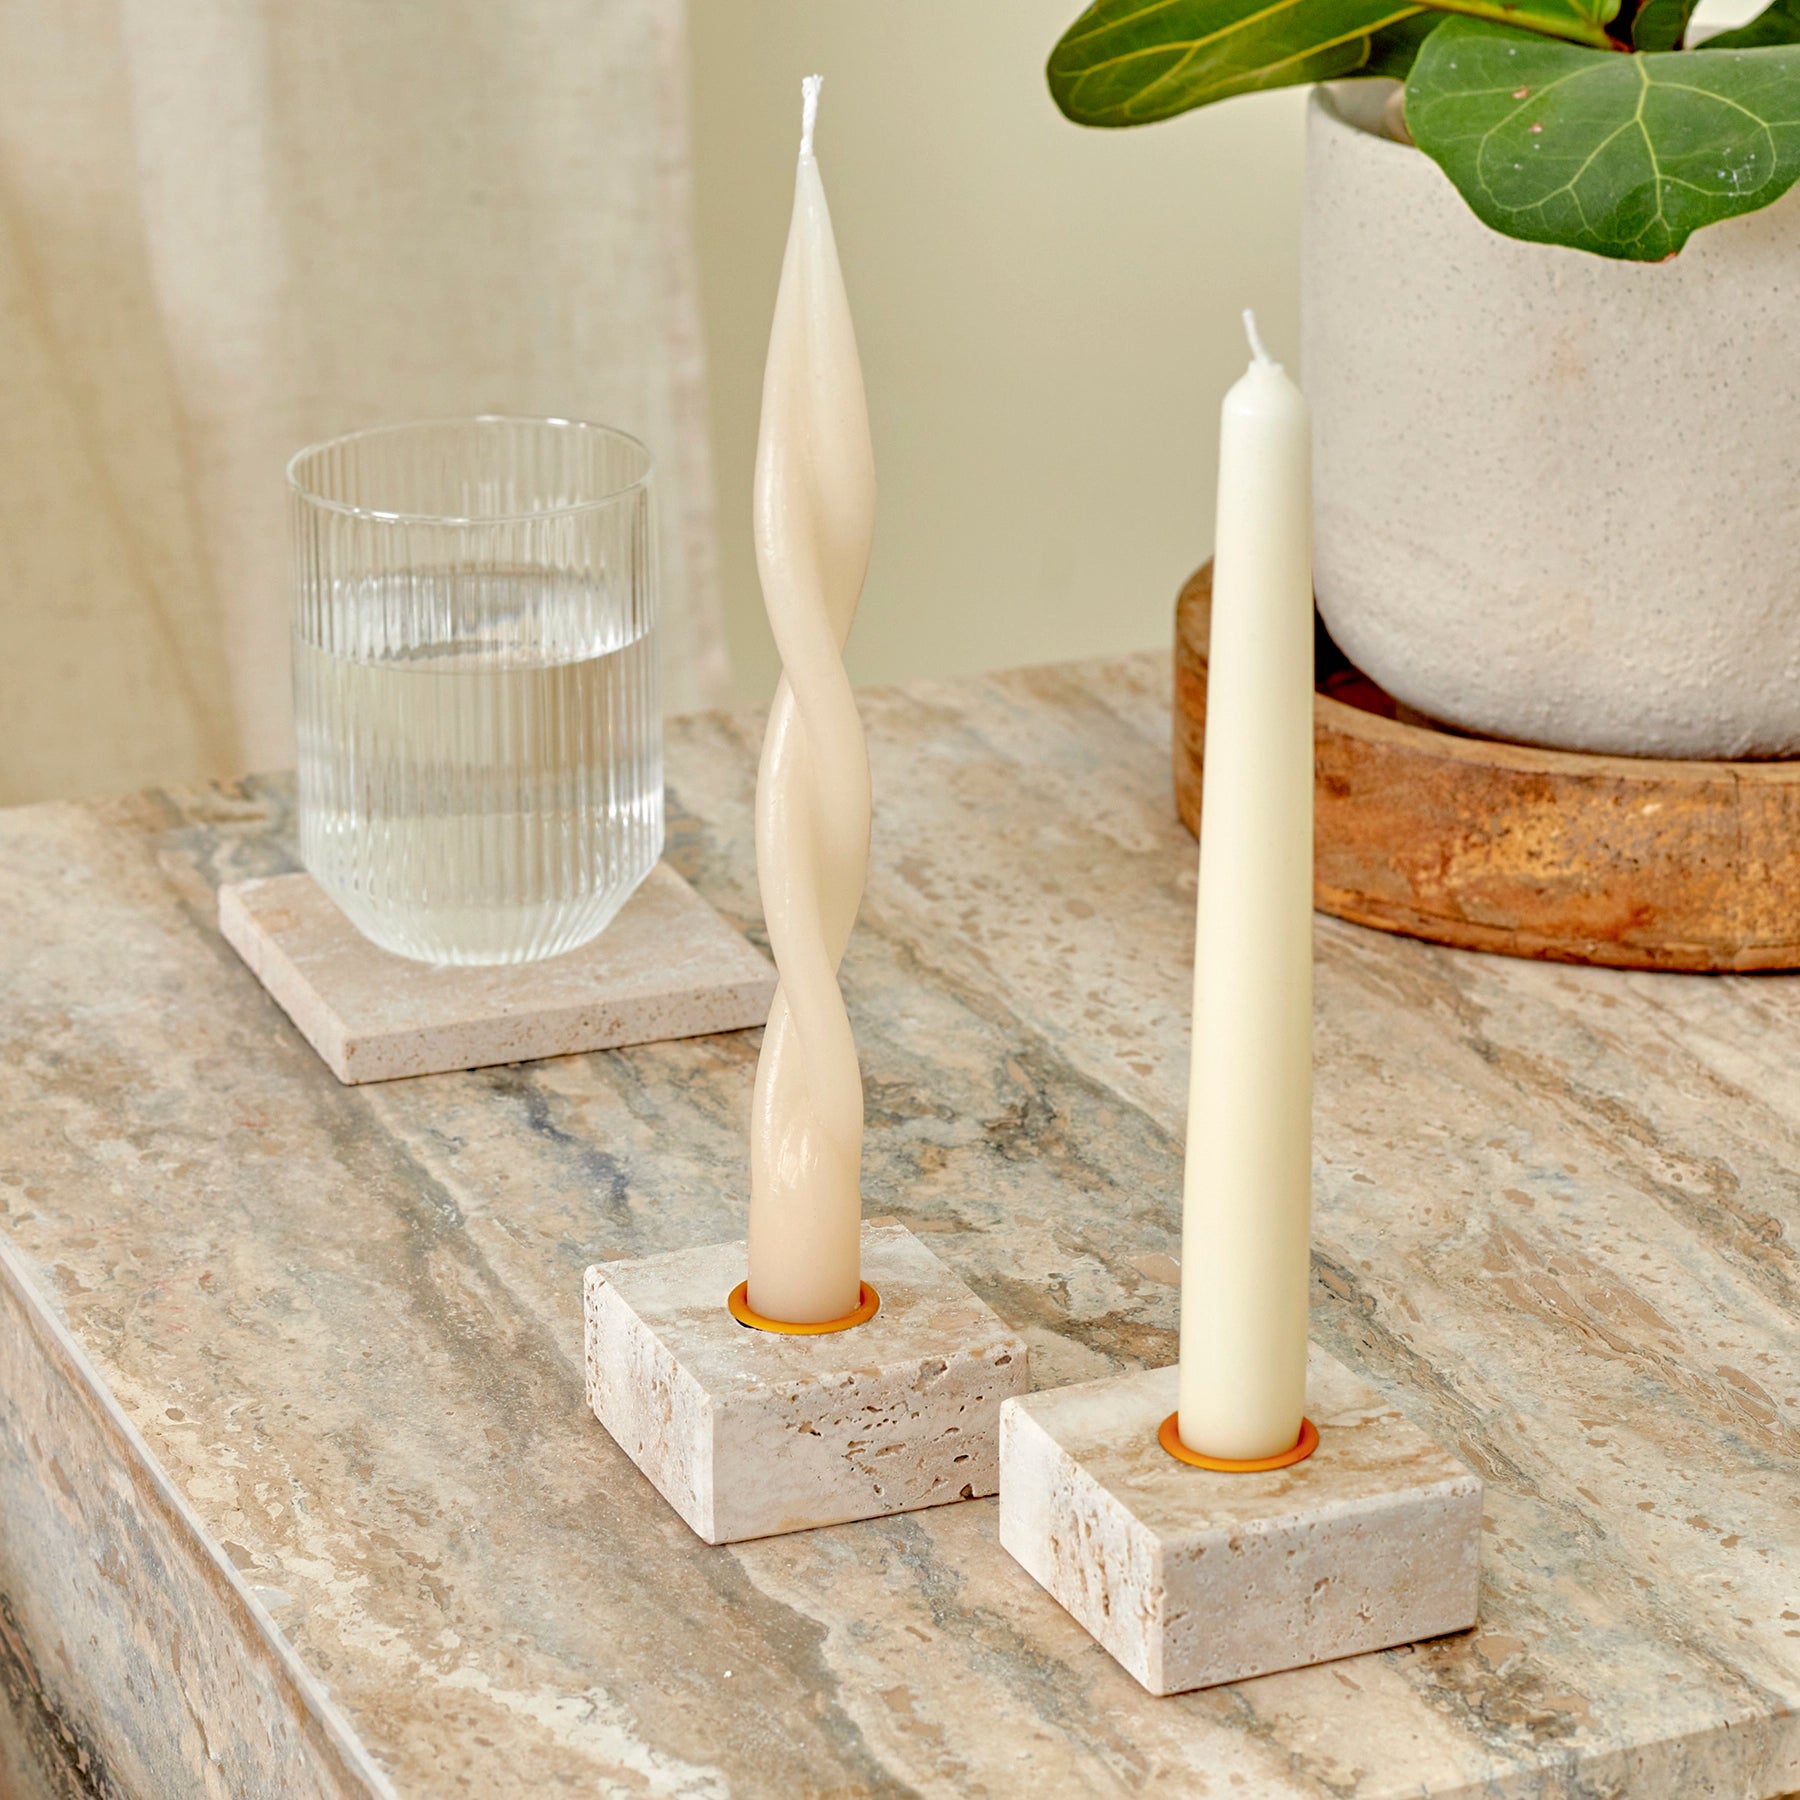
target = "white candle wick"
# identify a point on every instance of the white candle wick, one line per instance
(1257, 348)
(809, 111)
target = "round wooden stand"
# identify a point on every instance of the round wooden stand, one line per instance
(1627, 861)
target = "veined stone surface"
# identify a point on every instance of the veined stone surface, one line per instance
(667, 967)
(1191, 1578)
(750, 1433)
(1555, 1224)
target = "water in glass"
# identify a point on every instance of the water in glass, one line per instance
(480, 751)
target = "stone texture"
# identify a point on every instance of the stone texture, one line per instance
(1555, 1224)
(751, 1433)
(216, 1706)
(1191, 1578)
(667, 967)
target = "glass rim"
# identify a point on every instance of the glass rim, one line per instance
(389, 516)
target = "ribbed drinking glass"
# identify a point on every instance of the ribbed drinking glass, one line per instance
(475, 693)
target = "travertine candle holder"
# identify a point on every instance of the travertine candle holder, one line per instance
(749, 1433)
(1191, 1578)
(669, 966)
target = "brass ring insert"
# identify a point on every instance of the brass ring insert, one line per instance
(1169, 1436)
(868, 1303)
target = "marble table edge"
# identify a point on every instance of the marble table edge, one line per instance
(257, 1633)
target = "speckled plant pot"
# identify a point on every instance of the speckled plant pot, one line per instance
(1557, 497)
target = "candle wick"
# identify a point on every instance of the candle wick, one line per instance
(1257, 347)
(809, 111)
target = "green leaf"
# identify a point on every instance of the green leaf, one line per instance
(1622, 155)
(1127, 62)
(1661, 24)
(1392, 50)
(1775, 24)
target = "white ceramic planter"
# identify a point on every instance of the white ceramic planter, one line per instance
(1557, 497)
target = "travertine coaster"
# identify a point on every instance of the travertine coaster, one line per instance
(1191, 1578)
(667, 967)
(748, 1433)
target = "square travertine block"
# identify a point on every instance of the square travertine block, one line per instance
(669, 966)
(748, 1433)
(1191, 1578)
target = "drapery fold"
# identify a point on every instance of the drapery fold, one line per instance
(230, 227)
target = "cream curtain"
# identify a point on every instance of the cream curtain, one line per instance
(228, 227)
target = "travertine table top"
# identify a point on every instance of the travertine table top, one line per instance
(299, 1494)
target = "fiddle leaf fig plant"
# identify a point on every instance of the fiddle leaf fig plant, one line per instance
(1575, 122)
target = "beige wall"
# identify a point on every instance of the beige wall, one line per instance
(1047, 316)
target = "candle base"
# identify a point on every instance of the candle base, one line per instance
(1191, 1577)
(750, 1433)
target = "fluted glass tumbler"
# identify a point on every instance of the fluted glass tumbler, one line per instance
(475, 693)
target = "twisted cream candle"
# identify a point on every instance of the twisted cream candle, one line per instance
(814, 519)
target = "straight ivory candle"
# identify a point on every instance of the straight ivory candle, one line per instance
(814, 524)
(1247, 1203)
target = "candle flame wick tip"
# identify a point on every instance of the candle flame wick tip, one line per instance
(1257, 348)
(809, 110)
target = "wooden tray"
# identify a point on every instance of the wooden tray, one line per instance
(1628, 861)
